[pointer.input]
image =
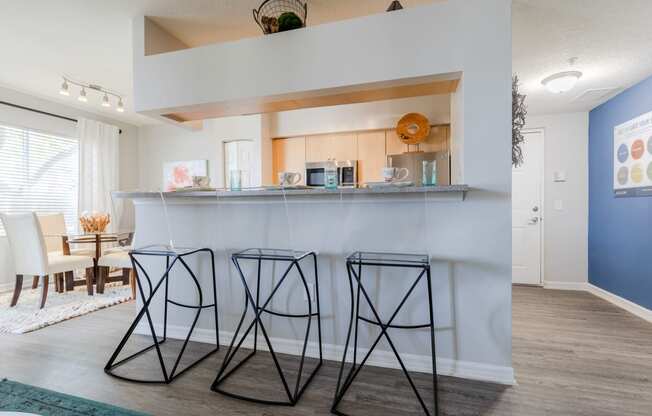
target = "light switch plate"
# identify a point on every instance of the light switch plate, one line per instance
(559, 176)
(559, 205)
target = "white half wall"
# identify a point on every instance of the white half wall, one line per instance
(27, 119)
(566, 141)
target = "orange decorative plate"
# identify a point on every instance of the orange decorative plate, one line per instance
(413, 128)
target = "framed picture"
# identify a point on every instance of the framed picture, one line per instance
(179, 174)
(632, 163)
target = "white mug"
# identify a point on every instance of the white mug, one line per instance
(395, 174)
(289, 178)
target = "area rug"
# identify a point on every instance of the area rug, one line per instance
(26, 315)
(17, 397)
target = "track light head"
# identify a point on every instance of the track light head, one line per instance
(105, 101)
(64, 88)
(120, 108)
(82, 95)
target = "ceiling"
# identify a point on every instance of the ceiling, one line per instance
(610, 38)
(90, 40)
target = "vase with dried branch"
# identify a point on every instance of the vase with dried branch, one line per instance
(519, 112)
(94, 223)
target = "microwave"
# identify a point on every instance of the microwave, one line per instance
(347, 173)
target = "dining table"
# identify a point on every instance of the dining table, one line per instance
(96, 239)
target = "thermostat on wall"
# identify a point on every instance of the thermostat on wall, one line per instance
(559, 176)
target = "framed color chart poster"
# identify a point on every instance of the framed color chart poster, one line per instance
(633, 157)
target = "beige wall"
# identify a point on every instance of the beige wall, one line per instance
(166, 143)
(566, 138)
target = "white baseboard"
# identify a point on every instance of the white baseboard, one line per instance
(413, 362)
(565, 285)
(623, 303)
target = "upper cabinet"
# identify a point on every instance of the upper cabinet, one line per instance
(437, 141)
(371, 156)
(369, 148)
(289, 156)
(393, 144)
(341, 146)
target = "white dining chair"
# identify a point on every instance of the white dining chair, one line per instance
(31, 257)
(118, 260)
(55, 233)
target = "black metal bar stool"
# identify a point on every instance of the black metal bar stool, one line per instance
(260, 306)
(172, 256)
(354, 265)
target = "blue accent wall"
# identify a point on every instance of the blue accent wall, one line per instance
(620, 229)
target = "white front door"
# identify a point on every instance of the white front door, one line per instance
(527, 205)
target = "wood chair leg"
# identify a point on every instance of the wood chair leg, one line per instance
(70, 281)
(56, 282)
(89, 281)
(44, 290)
(17, 289)
(60, 282)
(125, 276)
(132, 282)
(34, 282)
(101, 279)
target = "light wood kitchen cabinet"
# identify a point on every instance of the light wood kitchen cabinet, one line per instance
(341, 146)
(369, 148)
(437, 141)
(393, 144)
(371, 156)
(289, 156)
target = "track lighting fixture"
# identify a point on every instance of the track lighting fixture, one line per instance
(83, 96)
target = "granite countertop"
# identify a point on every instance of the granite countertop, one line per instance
(304, 192)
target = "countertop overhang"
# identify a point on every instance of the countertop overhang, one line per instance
(445, 192)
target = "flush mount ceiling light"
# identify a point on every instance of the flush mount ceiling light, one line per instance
(83, 97)
(562, 81)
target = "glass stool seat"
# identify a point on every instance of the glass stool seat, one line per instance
(272, 254)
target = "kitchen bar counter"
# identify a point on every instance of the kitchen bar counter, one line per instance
(455, 191)
(436, 222)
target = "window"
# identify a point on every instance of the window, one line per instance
(38, 172)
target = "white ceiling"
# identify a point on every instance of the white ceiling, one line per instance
(610, 38)
(91, 40)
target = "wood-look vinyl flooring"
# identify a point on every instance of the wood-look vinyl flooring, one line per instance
(573, 354)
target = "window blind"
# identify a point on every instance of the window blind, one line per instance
(38, 172)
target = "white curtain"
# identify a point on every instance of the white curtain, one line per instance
(99, 168)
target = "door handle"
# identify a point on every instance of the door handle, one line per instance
(533, 221)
